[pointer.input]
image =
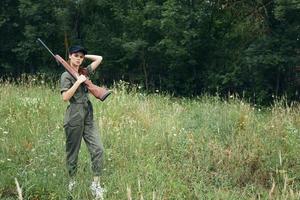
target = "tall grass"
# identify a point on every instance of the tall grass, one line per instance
(156, 146)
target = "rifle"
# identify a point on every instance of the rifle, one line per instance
(99, 92)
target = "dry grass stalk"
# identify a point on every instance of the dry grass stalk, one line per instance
(140, 190)
(153, 195)
(280, 158)
(19, 190)
(272, 189)
(129, 193)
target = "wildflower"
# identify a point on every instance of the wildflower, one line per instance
(8, 159)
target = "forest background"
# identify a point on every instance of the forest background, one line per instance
(185, 48)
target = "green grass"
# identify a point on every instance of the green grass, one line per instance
(156, 147)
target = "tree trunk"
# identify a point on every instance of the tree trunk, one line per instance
(144, 66)
(277, 82)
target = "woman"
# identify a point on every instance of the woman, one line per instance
(78, 121)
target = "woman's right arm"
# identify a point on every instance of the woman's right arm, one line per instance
(67, 95)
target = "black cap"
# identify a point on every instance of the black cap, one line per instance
(77, 48)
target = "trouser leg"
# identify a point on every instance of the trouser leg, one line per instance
(92, 139)
(73, 141)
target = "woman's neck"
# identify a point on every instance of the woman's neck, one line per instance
(76, 67)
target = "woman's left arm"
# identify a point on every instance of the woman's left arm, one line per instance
(96, 60)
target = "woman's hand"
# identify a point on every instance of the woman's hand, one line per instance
(81, 79)
(70, 92)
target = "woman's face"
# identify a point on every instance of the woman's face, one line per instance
(76, 58)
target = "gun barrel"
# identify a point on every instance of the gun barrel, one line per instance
(45, 46)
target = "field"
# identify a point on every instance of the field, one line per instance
(156, 146)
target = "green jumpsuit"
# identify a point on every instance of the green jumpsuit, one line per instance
(78, 124)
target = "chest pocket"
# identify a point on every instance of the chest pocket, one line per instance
(81, 94)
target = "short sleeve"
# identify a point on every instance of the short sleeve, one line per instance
(65, 82)
(90, 70)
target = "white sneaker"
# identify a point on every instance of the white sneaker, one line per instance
(97, 190)
(71, 185)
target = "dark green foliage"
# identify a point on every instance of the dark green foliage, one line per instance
(183, 47)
